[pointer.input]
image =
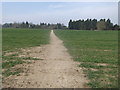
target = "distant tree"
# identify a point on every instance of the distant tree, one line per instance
(32, 26)
(82, 25)
(103, 20)
(59, 26)
(88, 24)
(116, 27)
(22, 25)
(109, 25)
(70, 24)
(27, 24)
(48, 24)
(77, 25)
(74, 24)
(94, 24)
(6, 25)
(101, 25)
(15, 25)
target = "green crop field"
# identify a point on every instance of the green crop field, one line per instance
(21, 38)
(98, 53)
(15, 39)
(96, 50)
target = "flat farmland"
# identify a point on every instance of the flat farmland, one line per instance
(13, 40)
(97, 51)
(21, 38)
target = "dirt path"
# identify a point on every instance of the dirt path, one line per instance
(56, 70)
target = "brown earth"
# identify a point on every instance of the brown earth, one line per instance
(57, 69)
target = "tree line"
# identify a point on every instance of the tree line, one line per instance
(31, 25)
(89, 24)
(93, 24)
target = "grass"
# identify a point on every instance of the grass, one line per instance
(98, 53)
(10, 64)
(9, 72)
(21, 38)
(14, 40)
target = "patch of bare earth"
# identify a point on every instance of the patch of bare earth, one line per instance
(56, 69)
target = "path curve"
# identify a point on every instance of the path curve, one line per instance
(56, 70)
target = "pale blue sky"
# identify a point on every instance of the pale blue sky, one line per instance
(58, 12)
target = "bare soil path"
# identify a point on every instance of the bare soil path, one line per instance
(56, 70)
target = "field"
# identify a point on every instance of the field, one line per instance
(14, 40)
(98, 53)
(21, 38)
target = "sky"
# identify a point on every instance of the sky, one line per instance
(58, 12)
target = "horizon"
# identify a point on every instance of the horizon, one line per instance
(55, 23)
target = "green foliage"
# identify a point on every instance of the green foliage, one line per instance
(109, 25)
(97, 52)
(11, 57)
(90, 24)
(9, 72)
(34, 26)
(11, 63)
